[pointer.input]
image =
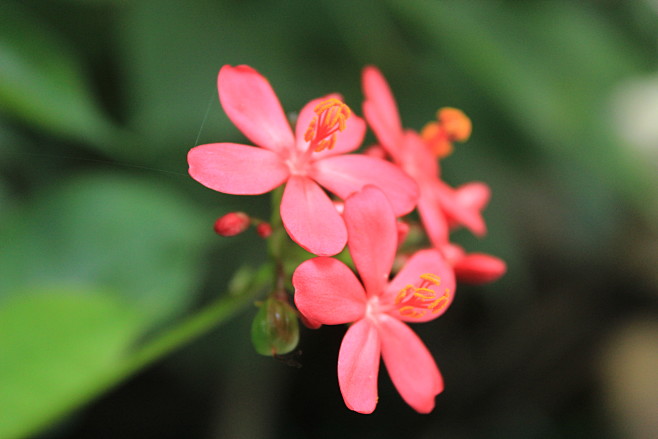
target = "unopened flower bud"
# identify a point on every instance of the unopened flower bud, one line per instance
(231, 224)
(275, 330)
(264, 230)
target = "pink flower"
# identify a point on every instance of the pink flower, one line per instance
(311, 157)
(439, 205)
(328, 292)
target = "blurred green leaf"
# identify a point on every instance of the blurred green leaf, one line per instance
(172, 58)
(42, 83)
(549, 67)
(135, 236)
(58, 346)
(63, 346)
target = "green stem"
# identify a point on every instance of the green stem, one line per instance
(276, 241)
(193, 326)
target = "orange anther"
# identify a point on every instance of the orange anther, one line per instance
(452, 126)
(440, 303)
(456, 124)
(410, 311)
(431, 278)
(310, 131)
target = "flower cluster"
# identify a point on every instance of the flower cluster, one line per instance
(328, 198)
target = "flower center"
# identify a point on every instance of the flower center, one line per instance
(373, 308)
(415, 302)
(330, 118)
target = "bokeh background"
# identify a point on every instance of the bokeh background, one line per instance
(105, 242)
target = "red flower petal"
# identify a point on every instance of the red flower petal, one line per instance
(422, 262)
(328, 292)
(431, 215)
(236, 169)
(358, 366)
(251, 104)
(345, 175)
(372, 237)
(416, 159)
(380, 109)
(458, 213)
(479, 268)
(311, 219)
(474, 194)
(410, 365)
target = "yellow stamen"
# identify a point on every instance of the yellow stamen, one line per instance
(310, 131)
(429, 296)
(410, 311)
(403, 293)
(440, 303)
(432, 278)
(415, 301)
(330, 118)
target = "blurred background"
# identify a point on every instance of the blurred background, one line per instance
(105, 241)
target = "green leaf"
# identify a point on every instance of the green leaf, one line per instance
(135, 236)
(63, 346)
(42, 83)
(58, 346)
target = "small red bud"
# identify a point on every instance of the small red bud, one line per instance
(264, 230)
(231, 224)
